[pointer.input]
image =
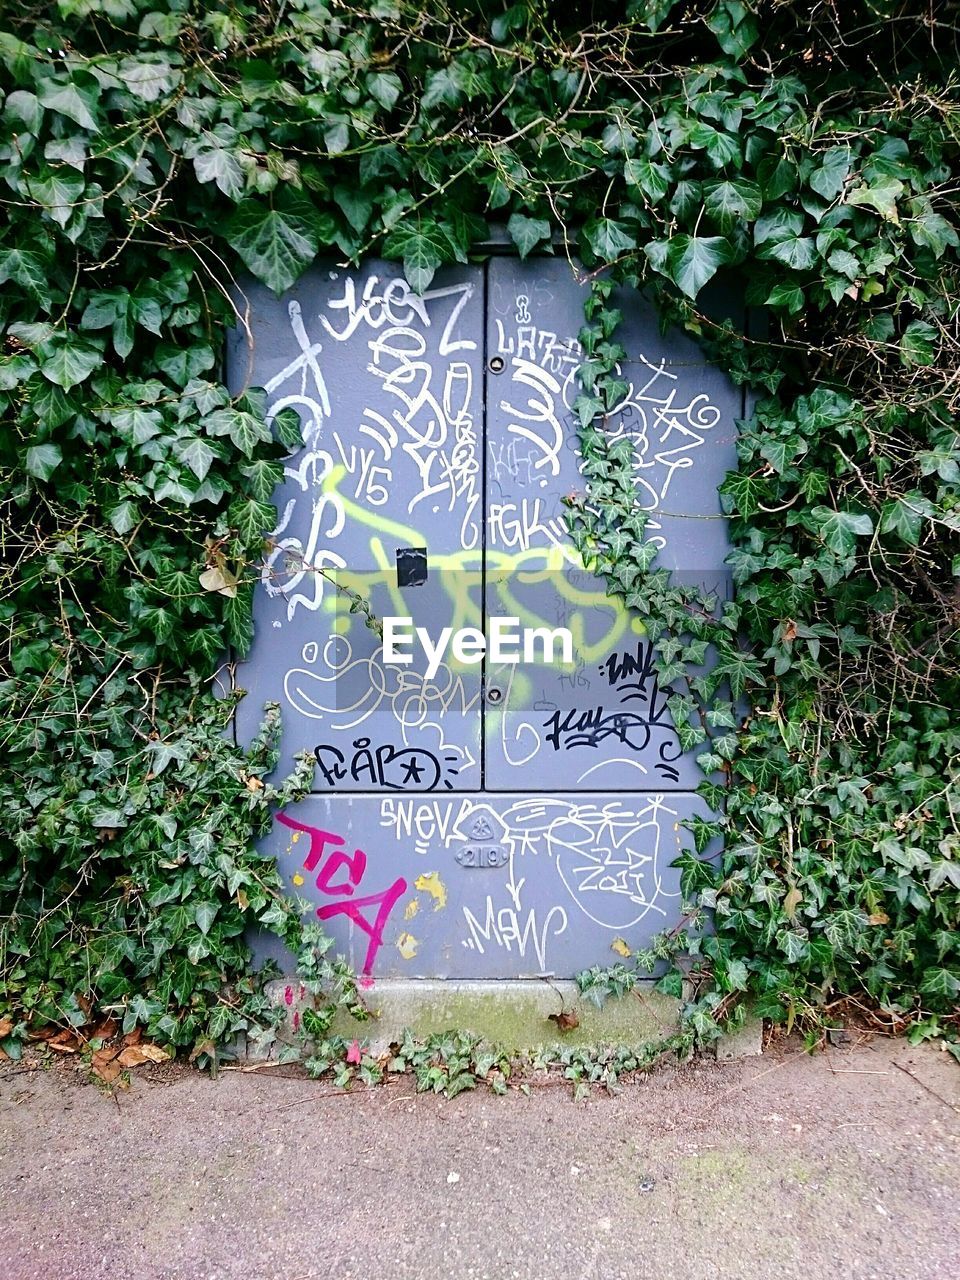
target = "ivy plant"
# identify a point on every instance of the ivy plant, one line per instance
(152, 152)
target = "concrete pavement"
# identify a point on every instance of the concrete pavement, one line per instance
(842, 1165)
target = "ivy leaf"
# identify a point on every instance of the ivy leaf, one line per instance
(917, 344)
(840, 529)
(336, 137)
(355, 203)
(828, 179)
(204, 916)
(68, 361)
(608, 239)
(43, 460)
(135, 424)
(263, 476)
(16, 369)
(732, 202)
(780, 453)
(687, 197)
(933, 231)
(222, 167)
(652, 13)
(526, 233)
(778, 224)
(385, 88)
(25, 268)
(252, 519)
(442, 87)
(786, 295)
(148, 77)
(694, 260)
(25, 108)
(196, 453)
(181, 364)
(904, 517)
(514, 18)
(941, 982)
(287, 428)
(722, 148)
(172, 489)
(423, 245)
(796, 252)
(330, 65)
(650, 178)
(69, 101)
(745, 492)
(122, 517)
(245, 430)
(881, 196)
(735, 27)
(277, 243)
(58, 191)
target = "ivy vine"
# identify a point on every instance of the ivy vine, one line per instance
(153, 150)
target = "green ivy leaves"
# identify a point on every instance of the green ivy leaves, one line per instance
(840, 529)
(527, 233)
(140, 177)
(279, 240)
(689, 261)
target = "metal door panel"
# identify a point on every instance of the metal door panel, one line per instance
(388, 387)
(484, 886)
(601, 720)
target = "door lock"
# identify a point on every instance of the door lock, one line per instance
(496, 364)
(494, 694)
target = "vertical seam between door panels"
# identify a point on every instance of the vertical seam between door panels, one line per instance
(482, 438)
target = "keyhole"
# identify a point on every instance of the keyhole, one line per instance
(496, 364)
(494, 695)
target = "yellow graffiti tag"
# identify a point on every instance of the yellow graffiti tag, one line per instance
(431, 883)
(407, 945)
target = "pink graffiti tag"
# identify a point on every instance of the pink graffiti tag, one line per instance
(331, 862)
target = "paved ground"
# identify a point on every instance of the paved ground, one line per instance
(844, 1165)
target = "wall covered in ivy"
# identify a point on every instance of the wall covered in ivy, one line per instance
(151, 150)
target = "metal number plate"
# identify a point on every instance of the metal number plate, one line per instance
(480, 856)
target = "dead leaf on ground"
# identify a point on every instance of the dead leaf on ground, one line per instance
(104, 1030)
(103, 1056)
(135, 1055)
(64, 1042)
(153, 1053)
(132, 1056)
(6, 1026)
(133, 1037)
(108, 1071)
(566, 1021)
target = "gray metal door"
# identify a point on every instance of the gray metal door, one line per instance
(389, 389)
(603, 721)
(483, 821)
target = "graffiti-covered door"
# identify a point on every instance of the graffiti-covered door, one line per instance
(472, 819)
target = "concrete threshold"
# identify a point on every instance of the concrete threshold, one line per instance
(520, 1016)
